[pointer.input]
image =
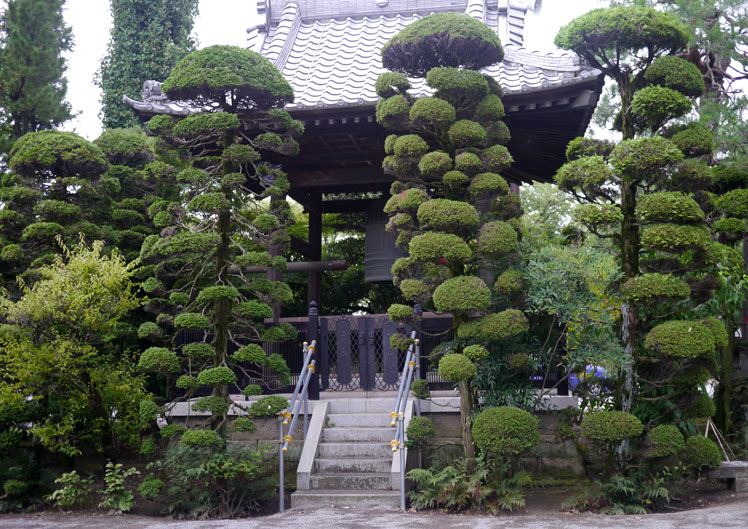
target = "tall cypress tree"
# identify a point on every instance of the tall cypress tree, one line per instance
(148, 38)
(33, 38)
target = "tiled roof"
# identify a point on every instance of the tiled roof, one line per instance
(329, 50)
(334, 61)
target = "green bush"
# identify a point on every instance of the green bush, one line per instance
(465, 133)
(208, 74)
(242, 424)
(434, 164)
(610, 426)
(490, 109)
(505, 431)
(657, 104)
(414, 289)
(201, 438)
(410, 145)
(432, 111)
(199, 350)
(675, 238)
(702, 406)
(675, 207)
(252, 353)
(115, 496)
(267, 406)
(651, 287)
(597, 215)
(57, 153)
(389, 84)
(475, 353)
(456, 368)
(451, 216)
(680, 339)
(663, 441)
(496, 159)
(158, 359)
(442, 39)
(190, 320)
(393, 111)
(488, 183)
(462, 294)
(468, 163)
(644, 158)
(419, 432)
(719, 332)
(587, 173)
(701, 453)
(509, 282)
(216, 376)
(75, 490)
(676, 73)
(205, 482)
(398, 312)
(695, 139)
(583, 147)
(497, 239)
(734, 203)
(127, 147)
(420, 389)
(729, 225)
(434, 246)
(494, 327)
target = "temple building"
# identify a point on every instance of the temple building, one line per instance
(329, 51)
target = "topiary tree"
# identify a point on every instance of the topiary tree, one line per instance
(199, 284)
(450, 208)
(648, 196)
(609, 428)
(58, 187)
(701, 453)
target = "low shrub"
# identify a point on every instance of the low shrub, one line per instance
(701, 453)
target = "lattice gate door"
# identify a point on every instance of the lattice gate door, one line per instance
(355, 353)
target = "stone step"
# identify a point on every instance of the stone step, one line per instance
(336, 420)
(356, 434)
(364, 481)
(389, 498)
(352, 464)
(384, 406)
(332, 450)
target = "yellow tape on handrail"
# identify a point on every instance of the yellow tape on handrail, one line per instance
(310, 367)
(395, 445)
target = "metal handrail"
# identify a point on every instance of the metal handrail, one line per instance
(397, 417)
(298, 400)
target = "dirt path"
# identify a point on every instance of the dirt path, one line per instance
(730, 515)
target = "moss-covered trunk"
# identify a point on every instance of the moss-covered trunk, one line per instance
(221, 315)
(466, 406)
(723, 394)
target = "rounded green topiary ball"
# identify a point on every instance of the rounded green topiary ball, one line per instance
(494, 327)
(505, 431)
(497, 239)
(419, 432)
(466, 133)
(468, 163)
(675, 238)
(496, 159)
(398, 312)
(644, 158)
(676, 73)
(206, 75)
(509, 282)
(581, 147)
(663, 441)
(490, 109)
(462, 294)
(434, 164)
(476, 353)
(488, 183)
(674, 206)
(695, 139)
(442, 39)
(432, 111)
(656, 104)
(611, 426)
(393, 112)
(434, 246)
(451, 216)
(456, 368)
(651, 287)
(702, 453)
(717, 327)
(410, 145)
(680, 339)
(702, 406)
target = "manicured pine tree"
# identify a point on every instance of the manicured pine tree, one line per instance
(148, 38)
(33, 39)
(218, 228)
(647, 194)
(450, 207)
(59, 186)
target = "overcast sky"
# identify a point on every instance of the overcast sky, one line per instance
(225, 22)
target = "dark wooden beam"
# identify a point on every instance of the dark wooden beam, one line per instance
(347, 205)
(301, 246)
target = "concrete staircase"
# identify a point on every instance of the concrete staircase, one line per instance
(353, 460)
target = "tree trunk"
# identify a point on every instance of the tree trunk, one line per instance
(221, 314)
(466, 406)
(723, 394)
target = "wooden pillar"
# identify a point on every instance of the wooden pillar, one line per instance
(314, 278)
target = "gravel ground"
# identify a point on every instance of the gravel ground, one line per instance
(724, 516)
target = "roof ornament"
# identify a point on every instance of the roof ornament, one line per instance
(152, 91)
(382, 3)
